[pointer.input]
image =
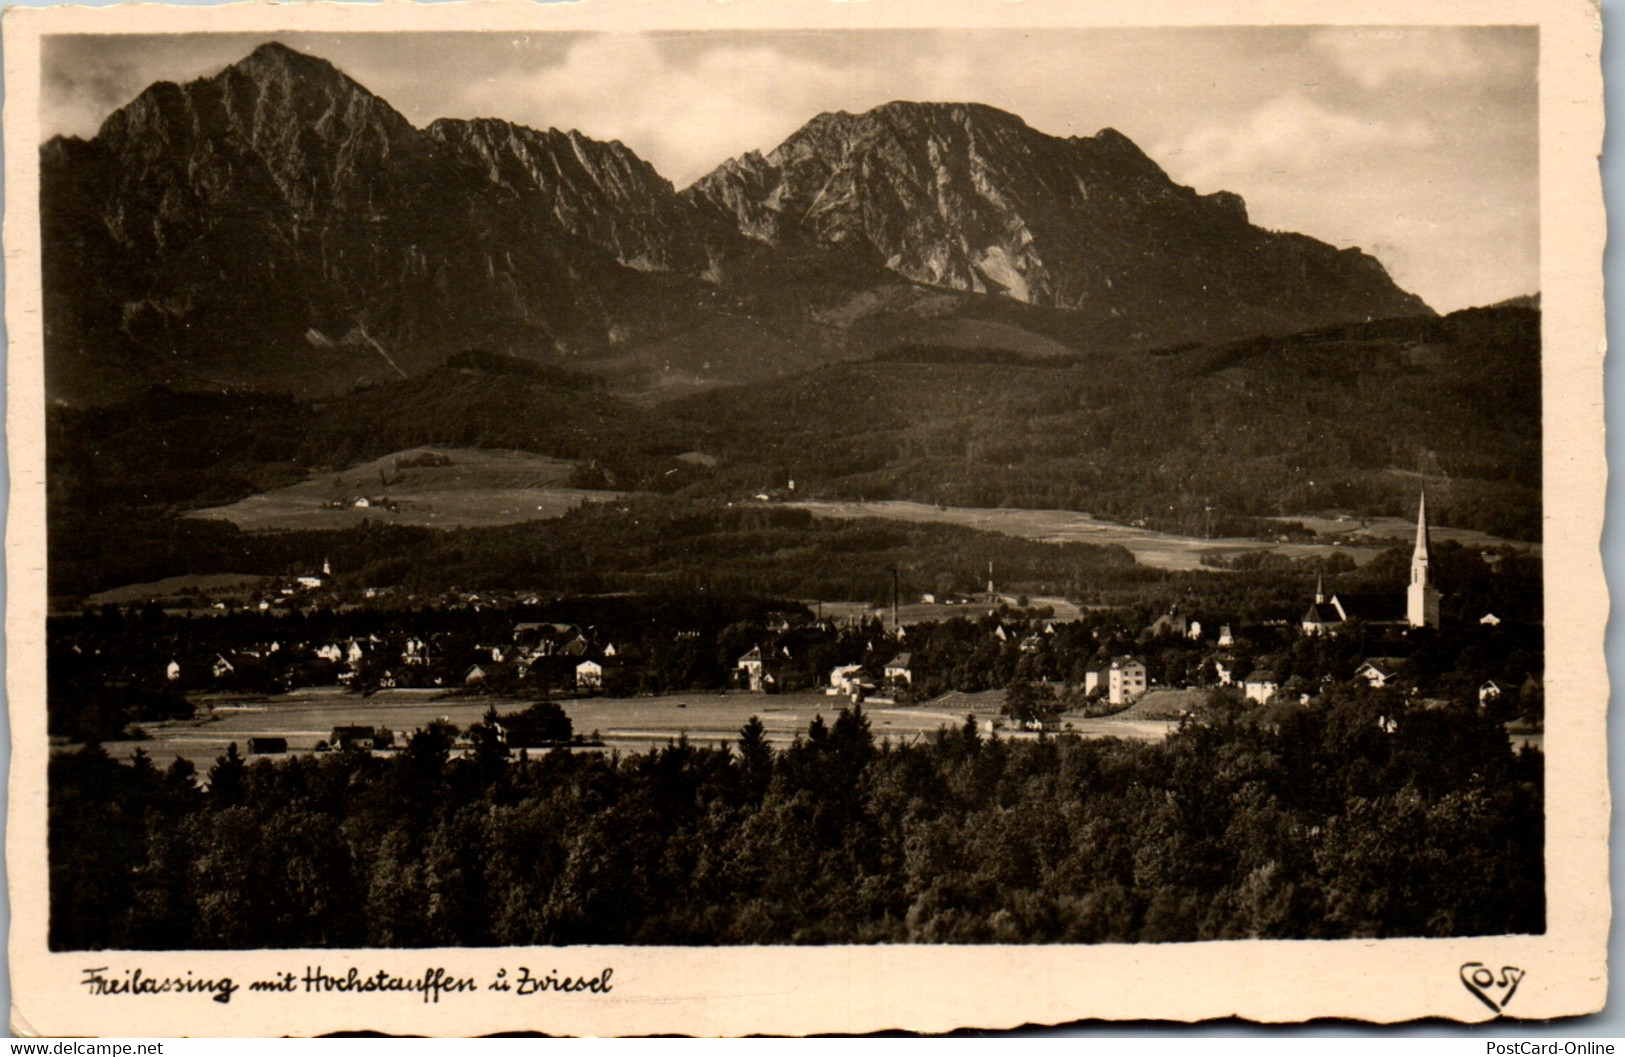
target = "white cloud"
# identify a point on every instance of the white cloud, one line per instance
(1376, 56)
(1291, 135)
(683, 118)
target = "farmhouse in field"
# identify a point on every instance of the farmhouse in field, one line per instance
(363, 738)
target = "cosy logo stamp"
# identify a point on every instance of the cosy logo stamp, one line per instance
(1492, 989)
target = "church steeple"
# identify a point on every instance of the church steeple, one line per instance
(1421, 597)
(1421, 552)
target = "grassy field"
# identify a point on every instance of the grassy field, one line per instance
(178, 589)
(626, 724)
(1163, 705)
(478, 487)
(1390, 530)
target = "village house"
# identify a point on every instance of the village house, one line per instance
(488, 672)
(848, 679)
(1170, 623)
(589, 675)
(1122, 680)
(897, 671)
(749, 668)
(1260, 686)
(1379, 671)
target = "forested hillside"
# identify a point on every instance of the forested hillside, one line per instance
(1355, 419)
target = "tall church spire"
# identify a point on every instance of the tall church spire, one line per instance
(1421, 597)
(1421, 553)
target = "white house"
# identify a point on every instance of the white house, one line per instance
(847, 679)
(589, 675)
(1379, 671)
(1260, 686)
(1123, 680)
(751, 665)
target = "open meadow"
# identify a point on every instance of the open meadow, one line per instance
(1161, 550)
(436, 487)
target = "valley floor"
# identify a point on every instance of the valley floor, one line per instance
(1160, 550)
(626, 724)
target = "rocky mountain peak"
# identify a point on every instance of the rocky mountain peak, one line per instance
(970, 197)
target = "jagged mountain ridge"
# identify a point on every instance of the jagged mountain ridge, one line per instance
(602, 192)
(971, 198)
(277, 225)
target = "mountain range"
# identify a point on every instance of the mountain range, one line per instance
(277, 226)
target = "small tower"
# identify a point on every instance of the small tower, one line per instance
(1421, 597)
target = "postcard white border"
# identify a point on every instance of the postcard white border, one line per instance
(734, 990)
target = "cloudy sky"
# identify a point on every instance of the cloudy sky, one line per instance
(1418, 145)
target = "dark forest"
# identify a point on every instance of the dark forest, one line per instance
(1354, 816)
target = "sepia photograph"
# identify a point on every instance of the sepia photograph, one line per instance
(744, 488)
